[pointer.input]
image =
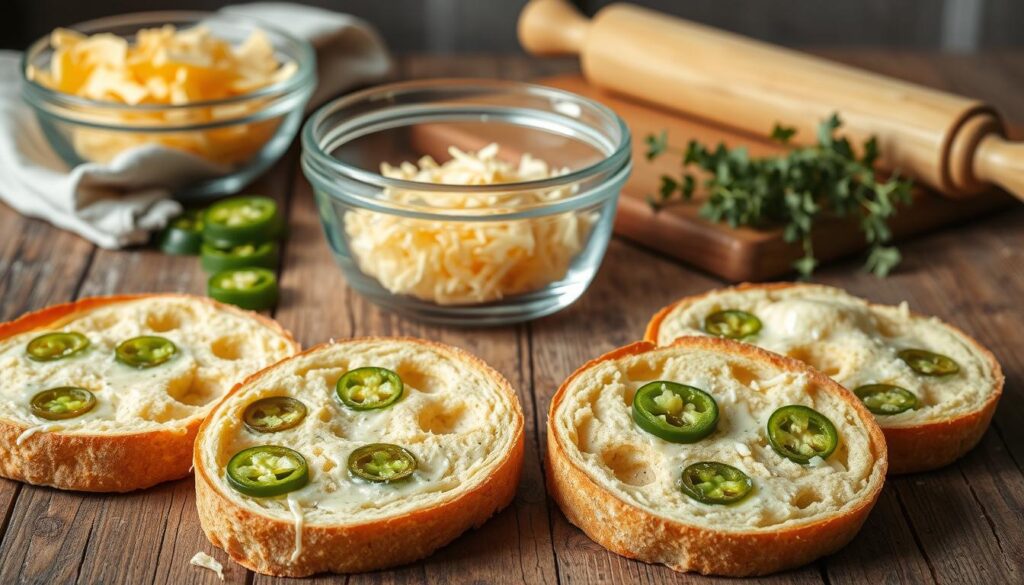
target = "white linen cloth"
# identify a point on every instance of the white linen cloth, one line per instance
(119, 203)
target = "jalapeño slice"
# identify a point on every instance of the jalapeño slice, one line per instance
(732, 323)
(885, 399)
(267, 470)
(147, 351)
(928, 363)
(675, 412)
(62, 403)
(249, 288)
(273, 414)
(710, 482)
(184, 234)
(369, 388)
(381, 462)
(216, 259)
(799, 433)
(239, 220)
(56, 346)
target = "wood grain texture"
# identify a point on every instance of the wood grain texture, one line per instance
(475, 26)
(963, 524)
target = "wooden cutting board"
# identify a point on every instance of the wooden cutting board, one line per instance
(741, 254)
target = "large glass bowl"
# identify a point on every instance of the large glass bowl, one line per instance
(234, 139)
(481, 254)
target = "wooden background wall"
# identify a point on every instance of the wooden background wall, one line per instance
(489, 25)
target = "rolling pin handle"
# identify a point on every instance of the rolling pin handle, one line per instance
(552, 27)
(1001, 161)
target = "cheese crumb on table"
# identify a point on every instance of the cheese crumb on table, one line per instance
(205, 561)
(467, 262)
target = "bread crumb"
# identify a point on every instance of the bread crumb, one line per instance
(904, 308)
(205, 561)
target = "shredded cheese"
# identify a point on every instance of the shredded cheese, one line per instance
(43, 428)
(296, 509)
(205, 561)
(166, 66)
(466, 262)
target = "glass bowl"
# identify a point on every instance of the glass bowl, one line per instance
(234, 139)
(467, 254)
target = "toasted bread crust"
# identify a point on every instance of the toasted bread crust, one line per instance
(101, 462)
(638, 534)
(265, 545)
(912, 449)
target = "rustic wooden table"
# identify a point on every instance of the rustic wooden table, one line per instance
(962, 524)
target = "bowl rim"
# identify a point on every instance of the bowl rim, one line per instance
(316, 159)
(306, 61)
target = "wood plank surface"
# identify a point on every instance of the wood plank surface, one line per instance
(962, 524)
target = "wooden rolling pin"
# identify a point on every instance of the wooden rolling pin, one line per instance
(956, 144)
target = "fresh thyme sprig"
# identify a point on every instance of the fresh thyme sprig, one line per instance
(792, 190)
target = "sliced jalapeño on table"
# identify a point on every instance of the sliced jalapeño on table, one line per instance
(800, 434)
(56, 346)
(249, 288)
(675, 412)
(273, 414)
(214, 259)
(929, 363)
(184, 234)
(710, 482)
(732, 323)
(146, 351)
(241, 220)
(267, 470)
(381, 463)
(884, 399)
(369, 388)
(62, 403)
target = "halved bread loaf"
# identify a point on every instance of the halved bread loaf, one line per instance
(141, 427)
(623, 485)
(455, 416)
(857, 343)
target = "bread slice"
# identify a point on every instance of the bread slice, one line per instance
(141, 430)
(459, 418)
(856, 343)
(621, 484)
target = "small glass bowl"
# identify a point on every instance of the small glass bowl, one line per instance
(505, 252)
(240, 137)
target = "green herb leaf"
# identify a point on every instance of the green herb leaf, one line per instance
(782, 134)
(792, 191)
(656, 144)
(882, 259)
(668, 187)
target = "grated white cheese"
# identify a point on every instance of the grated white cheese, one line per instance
(43, 428)
(296, 509)
(205, 561)
(464, 262)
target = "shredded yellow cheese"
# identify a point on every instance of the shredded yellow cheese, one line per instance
(466, 262)
(166, 66)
